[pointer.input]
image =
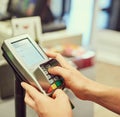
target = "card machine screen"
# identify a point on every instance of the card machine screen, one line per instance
(25, 47)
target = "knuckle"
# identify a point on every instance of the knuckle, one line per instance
(58, 55)
(58, 91)
(70, 73)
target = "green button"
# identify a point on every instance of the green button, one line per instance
(58, 83)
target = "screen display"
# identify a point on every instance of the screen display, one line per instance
(27, 52)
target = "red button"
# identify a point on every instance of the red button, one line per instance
(50, 89)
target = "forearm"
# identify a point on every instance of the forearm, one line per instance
(108, 97)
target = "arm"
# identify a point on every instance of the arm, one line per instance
(85, 88)
(106, 96)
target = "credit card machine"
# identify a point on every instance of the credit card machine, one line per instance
(31, 63)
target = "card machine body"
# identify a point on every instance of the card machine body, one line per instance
(31, 63)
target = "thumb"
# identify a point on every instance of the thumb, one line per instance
(59, 94)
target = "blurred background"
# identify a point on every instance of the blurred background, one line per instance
(75, 28)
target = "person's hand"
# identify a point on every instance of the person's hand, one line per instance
(57, 106)
(73, 78)
(85, 88)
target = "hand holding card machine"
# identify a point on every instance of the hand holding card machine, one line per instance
(31, 63)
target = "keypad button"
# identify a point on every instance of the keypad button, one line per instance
(51, 81)
(46, 72)
(50, 90)
(47, 66)
(58, 83)
(53, 86)
(54, 62)
(42, 66)
(49, 76)
(56, 78)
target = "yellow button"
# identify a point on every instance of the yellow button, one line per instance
(54, 86)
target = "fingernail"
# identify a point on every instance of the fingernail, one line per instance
(22, 84)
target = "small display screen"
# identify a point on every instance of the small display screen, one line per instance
(27, 52)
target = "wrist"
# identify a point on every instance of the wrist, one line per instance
(90, 90)
(85, 91)
(95, 91)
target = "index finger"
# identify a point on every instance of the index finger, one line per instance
(60, 59)
(33, 92)
(51, 54)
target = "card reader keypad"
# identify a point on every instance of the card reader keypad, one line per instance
(55, 81)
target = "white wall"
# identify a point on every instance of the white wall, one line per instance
(81, 18)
